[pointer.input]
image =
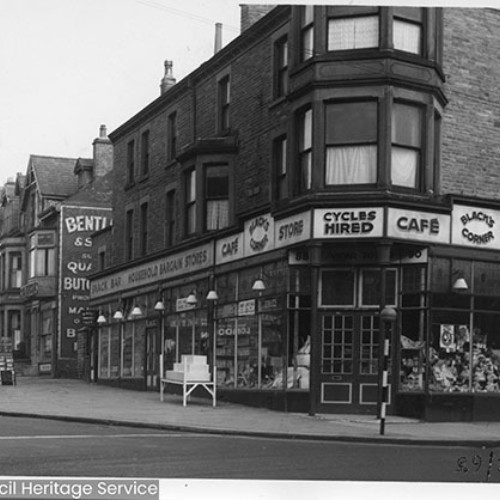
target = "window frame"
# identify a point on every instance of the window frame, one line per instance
(172, 136)
(281, 63)
(170, 217)
(190, 186)
(129, 234)
(306, 32)
(305, 150)
(130, 162)
(15, 275)
(280, 170)
(224, 104)
(144, 220)
(208, 197)
(403, 15)
(145, 153)
(353, 17)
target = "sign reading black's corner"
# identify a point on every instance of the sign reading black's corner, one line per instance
(477, 227)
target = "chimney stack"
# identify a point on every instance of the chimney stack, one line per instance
(168, 81)
(103, 153)
(251, 13)
(218, 37)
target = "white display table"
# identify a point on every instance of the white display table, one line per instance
(191, 372)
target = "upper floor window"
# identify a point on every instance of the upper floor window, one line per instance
(406, 145)
(353, 32)
(101, 259)
(145, 153)
(130, 162)
(351, 143)
(216, 197)
(280, 168)
(407, 29)
(42, 255)
(172, 136)
(305, 151)
(170, 218)
(129, 234)
(281, 67)
(223, 103)
(307, 33)
(190, 197)
(144, 229)
(15, 270)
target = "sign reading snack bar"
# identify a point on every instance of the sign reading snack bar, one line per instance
(420, 226)
(349, 223)
(475, 227)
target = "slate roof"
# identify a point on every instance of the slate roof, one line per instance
(54, 176)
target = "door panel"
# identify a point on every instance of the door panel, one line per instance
(350, 363)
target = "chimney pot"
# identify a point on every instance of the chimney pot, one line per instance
(168, 80)
(218, 37)
(102, 132)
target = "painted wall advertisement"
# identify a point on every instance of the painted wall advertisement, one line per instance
(75, 260)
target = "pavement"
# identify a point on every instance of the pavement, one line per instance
(80, 401)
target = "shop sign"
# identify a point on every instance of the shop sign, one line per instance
(77, 223)
(229, 249)
(419, 226)
(183, 305)
(45, 367)
(246, 307)
(349, 223)
(292, 229)
(188, 261)
(267, 305)
(259, 235)
(475, 227)
(298, 257)
(30, 290)
(227, 311)
(413, 256)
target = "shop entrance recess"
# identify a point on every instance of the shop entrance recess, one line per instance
(349, 362)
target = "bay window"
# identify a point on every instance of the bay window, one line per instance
(42, 255)
(307, 33)
(351, 143)
(406, 145)
(407, 29)
(353, 33)
(305, 151)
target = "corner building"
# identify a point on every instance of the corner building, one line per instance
(345, 157)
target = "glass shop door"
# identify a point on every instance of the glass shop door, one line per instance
(349, 362)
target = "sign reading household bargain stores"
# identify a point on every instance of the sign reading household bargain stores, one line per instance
(477, 227)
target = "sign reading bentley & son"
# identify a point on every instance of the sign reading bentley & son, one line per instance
(476, 226)
(420, 226)
(349, 222)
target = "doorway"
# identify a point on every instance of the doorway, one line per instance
(349, 366)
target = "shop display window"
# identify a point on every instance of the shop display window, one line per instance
(104, 343)
(114, 352)
(127, 350)
(139, 346)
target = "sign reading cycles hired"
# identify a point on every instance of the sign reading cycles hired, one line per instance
(349, 222)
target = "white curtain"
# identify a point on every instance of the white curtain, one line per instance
(351, 165)
(353, 33)
(407, 36)
(404, 167)
(217, 214)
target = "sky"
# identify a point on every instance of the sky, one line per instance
(68, 66)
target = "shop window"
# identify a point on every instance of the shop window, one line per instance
(406, 145)
(127, 354)
(115, 351)
(224, 100)
(281, 67)
(172, 136)
(407, 29)
(305, 151)
(337, 287)
(307, 33)
(2, 272)
(216, 197)
(104, 352)
(351, 143)
(129, 234)
(371, 285)
(47, 332)
(412, 345)
(130, 162)
(190, 201)
(15, 270)
(170, 218)
(338, 345)
(353, 33)
(145, 153)
(280, 168)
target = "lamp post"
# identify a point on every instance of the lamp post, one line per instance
(212, 297)
(388, 317)
(160, 307)
(193, 301)
(259, 286)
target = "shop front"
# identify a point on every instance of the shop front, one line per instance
(295, 325)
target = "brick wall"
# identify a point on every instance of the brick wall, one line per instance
(471, 124)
